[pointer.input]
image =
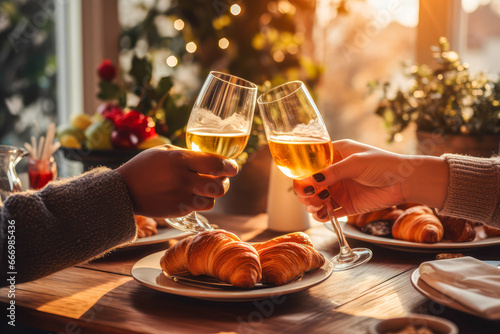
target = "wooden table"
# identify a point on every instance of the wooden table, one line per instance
(102, 297)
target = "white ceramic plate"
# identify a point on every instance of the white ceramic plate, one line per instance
(164, 234)
(352, 232)
(147, 271)
(439, 297)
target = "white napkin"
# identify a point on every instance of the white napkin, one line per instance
(468, 281)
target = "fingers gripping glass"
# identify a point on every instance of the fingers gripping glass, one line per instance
(220, 123)
(301, 147)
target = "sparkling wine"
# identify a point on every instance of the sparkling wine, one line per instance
(229, 145)
(300, 157)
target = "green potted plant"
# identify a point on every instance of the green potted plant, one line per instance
(454, 111)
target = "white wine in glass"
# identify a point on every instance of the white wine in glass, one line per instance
(229, 145)
(220, 123)
(301, 147)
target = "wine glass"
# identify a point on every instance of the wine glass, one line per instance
(220, 123)
(301, 147)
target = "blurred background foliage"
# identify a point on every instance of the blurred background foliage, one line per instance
(27, 68)
(447, 98)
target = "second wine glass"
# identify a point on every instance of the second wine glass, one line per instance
(220, 123)
(301, 147)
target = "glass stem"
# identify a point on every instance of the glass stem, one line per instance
(346, 254)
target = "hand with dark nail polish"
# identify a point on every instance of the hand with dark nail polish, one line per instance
(324, 194)
(363, 178)
(309, 190)
(319, 177)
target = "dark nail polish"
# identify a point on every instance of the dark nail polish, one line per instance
(323, 216)
(319, 177)
(324, 194)
(309, 190)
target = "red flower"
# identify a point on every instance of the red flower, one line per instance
(106, 70)
(110, 111)
(134, 122)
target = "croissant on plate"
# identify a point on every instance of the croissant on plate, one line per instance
(389, 214)
(457, 230)
(297, 237)
(491, 231)
(146, 226)
(218, 254)
(418, 224)
(285, 257)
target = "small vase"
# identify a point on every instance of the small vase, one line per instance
(436, 144)
(285, 212)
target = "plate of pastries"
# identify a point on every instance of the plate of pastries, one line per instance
(151, 231)
(416, 227)
(217, 265)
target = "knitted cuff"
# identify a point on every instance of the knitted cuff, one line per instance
(100, 200)
(473, 188)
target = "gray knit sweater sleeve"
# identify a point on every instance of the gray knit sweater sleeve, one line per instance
(473, 189)
(67, 222)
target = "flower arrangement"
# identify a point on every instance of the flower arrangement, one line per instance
(448, 99)
(133, 114)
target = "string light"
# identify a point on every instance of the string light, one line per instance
(235, 9)
(265, 19)
(398, 137)
(278, 56)
(191, 47)
(223, 43)
(272, 7)
(179, 24)
(285, 7)
(292, 48)
(172, 61)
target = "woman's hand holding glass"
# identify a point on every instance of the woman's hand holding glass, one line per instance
(301, 147)
(364, 178)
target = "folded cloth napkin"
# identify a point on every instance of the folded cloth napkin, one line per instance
(470, 282)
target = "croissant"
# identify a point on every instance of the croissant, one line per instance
(418, 224)
(457, 230)
(218, 254)
(491, 231)
(389, 214)
(146, 227)
(282, 262)
(297, 237)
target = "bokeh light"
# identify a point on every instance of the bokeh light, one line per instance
(172, 61)
(223, 43)
(179, 24)
(278, 56)
(235, 9)
(191, 47)
(292, 48)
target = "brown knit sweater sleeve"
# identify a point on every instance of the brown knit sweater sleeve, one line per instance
(67, 222)
(473, 189)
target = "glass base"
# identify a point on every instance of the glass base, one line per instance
(192, 222)
(360, 256)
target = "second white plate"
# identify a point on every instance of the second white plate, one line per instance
(148, 272)
(352, 232)
(441, 298)
(164, 234)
